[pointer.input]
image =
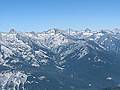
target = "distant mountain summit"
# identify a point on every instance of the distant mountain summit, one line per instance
(60, 60)
(12, 31)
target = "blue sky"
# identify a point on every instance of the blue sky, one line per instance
(40, 15)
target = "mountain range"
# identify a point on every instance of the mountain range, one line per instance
(60, 60)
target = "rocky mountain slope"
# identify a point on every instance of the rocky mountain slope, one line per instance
(59, 60)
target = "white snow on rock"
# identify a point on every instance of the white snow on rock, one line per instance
(109, 78)
(41, 77)
(10, 80)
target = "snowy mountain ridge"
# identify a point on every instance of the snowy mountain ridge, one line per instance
(57, 49)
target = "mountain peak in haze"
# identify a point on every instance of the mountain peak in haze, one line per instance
(12, 31)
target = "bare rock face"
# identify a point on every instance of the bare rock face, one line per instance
(12, 80)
